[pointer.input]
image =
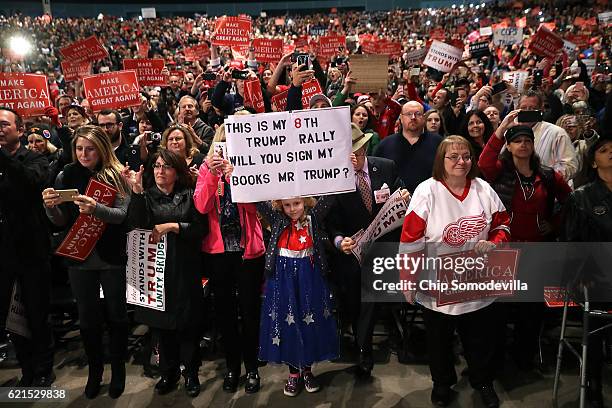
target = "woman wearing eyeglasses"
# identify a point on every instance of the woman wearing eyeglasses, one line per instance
(163, 202)
(454, 211)
(529, 191)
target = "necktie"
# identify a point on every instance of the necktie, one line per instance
(364, 190)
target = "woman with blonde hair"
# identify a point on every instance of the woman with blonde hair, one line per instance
(180, 139)
(94, 159)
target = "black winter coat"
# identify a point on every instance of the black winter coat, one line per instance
(182, 275)
(23, 227)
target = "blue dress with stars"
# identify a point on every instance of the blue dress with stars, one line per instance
(297, 325)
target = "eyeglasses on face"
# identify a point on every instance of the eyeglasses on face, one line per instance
(413, 114)
(165, 167)
(455, 158)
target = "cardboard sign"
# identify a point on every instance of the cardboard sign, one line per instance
(16, 319)
(148, 71)
(415, 57)
(253, 96)
(545, 43)
(89, 49)
(145, 270)
(517, 79)
(87, 229)
(112, 90)
(479, 49)
(390, 217)
(197, 52)
(27, 94)
(232, 31)
(497, 278)
(329, 45)
(370, 71)
(74, 72)
(268, 50)
(507, 36)
(442, 56)
(290, 154)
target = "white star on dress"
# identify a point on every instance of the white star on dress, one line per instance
(302, 239)
(290, 319)
(308, 319)
(299, 226)
(272, 315)
(326, 313)
(276, 340)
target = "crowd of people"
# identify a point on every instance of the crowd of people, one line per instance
(454, 147)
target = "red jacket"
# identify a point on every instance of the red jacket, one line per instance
(526, 213)
(207, 202)
(385, 125)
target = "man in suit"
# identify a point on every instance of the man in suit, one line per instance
(350, 213)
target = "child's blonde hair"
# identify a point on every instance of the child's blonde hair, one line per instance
(309, 202)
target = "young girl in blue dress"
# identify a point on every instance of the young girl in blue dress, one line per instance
(297, 325)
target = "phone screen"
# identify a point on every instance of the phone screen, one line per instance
(530, 116)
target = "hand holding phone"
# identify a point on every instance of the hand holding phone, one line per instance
(67, 195)
(530, 116)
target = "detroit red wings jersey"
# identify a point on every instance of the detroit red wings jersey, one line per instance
(449, 223)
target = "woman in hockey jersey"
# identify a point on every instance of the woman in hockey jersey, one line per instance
(451, 212)
(528, 191)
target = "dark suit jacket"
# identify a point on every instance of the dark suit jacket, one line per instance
(348, 214)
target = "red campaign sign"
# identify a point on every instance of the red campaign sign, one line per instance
(180, 74)
(288, 48)
(279, 101)
(310, 89)
(74, 72)
(581, 40)
(143, 49)
(268, 50)
(148, 71)
(554, 296)
(500, 267)
(87, 229)
(253, 96)
(329, 45)
(112, 90)
(27, 94)
(88, 49)
(390, 48)
(301, 41)
(232, 31)
(437, 34)
(197, 52)
(545, 43)
(521, 22)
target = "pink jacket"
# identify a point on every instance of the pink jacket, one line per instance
(207, 202)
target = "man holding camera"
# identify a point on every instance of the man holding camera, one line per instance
(552, 144)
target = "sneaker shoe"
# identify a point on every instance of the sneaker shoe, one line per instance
(310, 382)
(292, 386)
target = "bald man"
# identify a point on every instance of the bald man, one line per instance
(413, 149)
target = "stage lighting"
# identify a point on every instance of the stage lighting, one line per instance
(19, 45)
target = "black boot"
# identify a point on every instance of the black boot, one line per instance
(92, 342)
(118, 353)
